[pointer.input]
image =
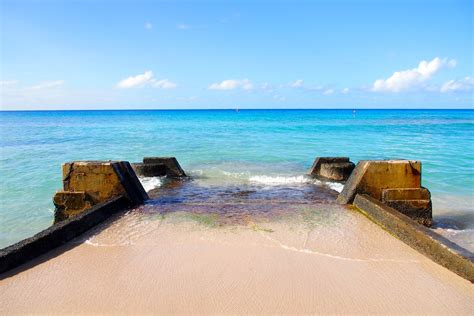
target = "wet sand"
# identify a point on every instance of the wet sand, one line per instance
(237, 253)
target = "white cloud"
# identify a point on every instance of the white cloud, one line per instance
(164, 84)
(145, 79)
(48, 85)
(345, 90)
(136, 81)
(328, 92)
(412, 78)
(183, 26)
(465, 84)
(231, 84)
(148, 26)
(300, 84)
(297, 83)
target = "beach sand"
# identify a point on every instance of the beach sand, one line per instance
(304, 258)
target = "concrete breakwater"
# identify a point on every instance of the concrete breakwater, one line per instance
(92, 192)
(394, 183)
(159, 166)
(87, 183)
(389, 192)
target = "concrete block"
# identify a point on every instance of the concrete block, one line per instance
(373, 176)
(149, 170)
(99, 181)
(173, 169)
(414, 203)
(425, 240)
(332, 168)
(406, 194)
(69, 204)
(418, 210)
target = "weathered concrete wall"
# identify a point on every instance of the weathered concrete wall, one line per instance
(414, 203)
(373, 176)
(59, 233)
(87, 183)
(149, 170)
(332, 168)
(396, 183)
(426, 241)
(173, 169)
(70, 204)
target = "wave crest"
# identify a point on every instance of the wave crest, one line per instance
(280, 180)
(150, 183)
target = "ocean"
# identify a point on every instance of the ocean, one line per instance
(265, 148)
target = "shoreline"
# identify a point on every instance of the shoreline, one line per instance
(320, 258)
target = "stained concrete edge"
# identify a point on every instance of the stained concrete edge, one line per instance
(422, 239)
(59, 234)
(149, 170)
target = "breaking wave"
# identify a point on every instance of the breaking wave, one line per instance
(335, 186)
(280, 180)
(217, 175)
(150, 183)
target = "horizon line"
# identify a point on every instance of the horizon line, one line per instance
(242, 109)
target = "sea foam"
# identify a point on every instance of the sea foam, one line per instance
(150, 183)
(279, 180)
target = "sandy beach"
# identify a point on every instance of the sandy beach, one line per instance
(236, 157)
(318, 258)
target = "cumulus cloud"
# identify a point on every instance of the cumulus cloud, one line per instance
(328, 92)
(145, 79)
(48, 85)
(300, 84)
(231, 84)
(465, 84)
(148, 26)
(297, 83)
(136, 81)
(164, 84)
(345, 90)
(412, 78)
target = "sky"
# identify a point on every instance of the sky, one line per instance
(235, 54)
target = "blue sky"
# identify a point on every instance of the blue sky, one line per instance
(246, 54)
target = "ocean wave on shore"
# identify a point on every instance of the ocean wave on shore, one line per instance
(240, 173)
(150, 183)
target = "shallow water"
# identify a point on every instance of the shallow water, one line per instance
(200, 202)
(242, 152)
(228, 251)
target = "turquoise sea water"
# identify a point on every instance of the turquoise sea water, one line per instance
(270, 147)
